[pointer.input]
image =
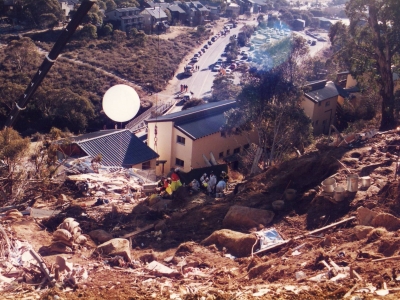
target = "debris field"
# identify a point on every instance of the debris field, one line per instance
(305, 229)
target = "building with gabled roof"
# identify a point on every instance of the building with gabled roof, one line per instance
(185, 137)
(319, 103)
(126, 18)
(154, 16)
(117, 147)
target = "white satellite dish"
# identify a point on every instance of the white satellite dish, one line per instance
(121, 103)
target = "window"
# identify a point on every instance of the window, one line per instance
(236, 150)
(316, 123)
(319, 103)
(324, 122)
(327, 103)
(146, 165)
(180, 139)
(221, 155)
(228, 152)
(247, 146)
(179, 162)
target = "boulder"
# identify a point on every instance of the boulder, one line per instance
(115, 247)
(162, 205)
(362, 231)
(365, 216)
(238, 244)
(388, 221)
(100, 236)
(246, 217)
(160, 270)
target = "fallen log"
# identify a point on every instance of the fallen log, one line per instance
(42, 266)
(305, 235)
(387, 258)
(128, 235)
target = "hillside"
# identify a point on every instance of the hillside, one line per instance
(176, 233)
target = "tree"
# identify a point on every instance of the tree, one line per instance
(88, 32)
(269, 104)
(21, 54)
(48, 20)
(169, 16)
(110, 5)
(13, 148)
(234, 16)
(224, 89)
(37, 12)
(119, 36)
(192, 103)
(371, 47)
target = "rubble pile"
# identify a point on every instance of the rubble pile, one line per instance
(335, 234)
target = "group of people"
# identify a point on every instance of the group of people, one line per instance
(211, 184)
(184, 88)
(168, 185)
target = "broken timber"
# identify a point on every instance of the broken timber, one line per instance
(304, 235)
(386, 258)
(128, 235)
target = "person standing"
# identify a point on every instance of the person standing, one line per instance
(220, 188)
(181, 88)
(213, 182)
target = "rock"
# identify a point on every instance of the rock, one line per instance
(147, 257)
(63, 264)
(161, 270)
(237, 243)
(115, 247)
(140, 209)
(58, 247)
(100, 236)
(362, 231)
(388, 221)
(365, 216)
(246, 217)
(372, 190)
(160, 226)
(389, 245)
(161, 205)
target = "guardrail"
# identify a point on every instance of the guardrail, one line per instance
(138, 123)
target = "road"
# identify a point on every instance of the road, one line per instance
(200, 82)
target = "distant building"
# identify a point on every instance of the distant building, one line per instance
(185, 137)
(118, 148)
(299, 24)
(319, 104)
(178, 15)
(196, 12)
(153, 17)
(232, 8)
(253, 6)
(215, 12)
(126, 18)
(68, 5)
(325, 23)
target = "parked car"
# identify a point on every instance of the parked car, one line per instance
(195, 59)
(223, 54)
(313, 43)
(233, 66)
(196, 55)
(210, 43)
(206, 46)
(216, 68)
(228, 71)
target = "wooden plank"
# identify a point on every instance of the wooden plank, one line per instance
(387, 258)
(304, 235)
(128, 235)
(43, 213)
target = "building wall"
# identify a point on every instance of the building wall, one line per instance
(153, 163)
(192, 152)
(164, 142)
(215, 143)
(322, 114)
(66, 8)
